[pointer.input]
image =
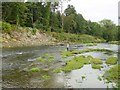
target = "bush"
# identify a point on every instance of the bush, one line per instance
(34, 30)
(6, 27)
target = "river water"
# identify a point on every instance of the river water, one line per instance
(17, 61)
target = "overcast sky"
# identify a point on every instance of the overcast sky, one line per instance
(96, 10)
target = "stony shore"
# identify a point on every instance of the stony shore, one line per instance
(19, 39)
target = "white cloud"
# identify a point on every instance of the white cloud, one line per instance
(96, 10)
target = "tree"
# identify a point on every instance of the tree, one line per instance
(109, 29)
(69, 10)
(14, 12)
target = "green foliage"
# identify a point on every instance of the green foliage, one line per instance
(114, 42)
(66, 54)
(96, 66)
(46, 58)
(110, 30)
(34, 69)
(78, 38)
(96, 61)
(91, 44)
(6, 27)
(112, 60)
(113, 74)
(75, 63)
(99, 78)
(97, 49)
(70, 10)
(34, 30)
(83, 77)
(47, 17)
(46, 77)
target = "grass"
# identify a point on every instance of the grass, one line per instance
(112, 60)
(113, 74)
(76, 38)
(97, 49)
(79, 62)
(75, 63)
(83, 77)
(46, 58)
(35, 69)
(46, 77)
(96, 63)
(114, 42)
(69, 53)
(99, 78)
(94, 66)
(66, 54)
(91, 44)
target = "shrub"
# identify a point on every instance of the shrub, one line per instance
(6, 27)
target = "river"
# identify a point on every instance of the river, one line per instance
(17, 61)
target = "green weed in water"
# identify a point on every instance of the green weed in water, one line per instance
(83, 77)
(91, 44)
(96, 61)
(75, 63)
(35, 69)
(99, 78)
(46, 77)
(113, 74)
(111, 60)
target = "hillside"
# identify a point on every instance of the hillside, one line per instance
(26, 36)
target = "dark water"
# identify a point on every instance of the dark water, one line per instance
(17, 61)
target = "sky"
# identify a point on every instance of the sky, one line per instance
(96, 10)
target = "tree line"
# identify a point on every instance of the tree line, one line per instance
(46, 16)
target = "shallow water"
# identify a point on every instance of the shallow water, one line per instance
(17, 61)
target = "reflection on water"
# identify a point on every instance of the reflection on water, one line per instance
(16, 60)
(91, 78)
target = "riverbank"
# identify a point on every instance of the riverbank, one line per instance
(22, 38)
(13, 36)
(25, 37)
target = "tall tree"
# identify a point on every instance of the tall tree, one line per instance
(110, 29)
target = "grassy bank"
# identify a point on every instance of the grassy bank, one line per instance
(113, 74)
(13, 36)
(76, 38)
(114, 42)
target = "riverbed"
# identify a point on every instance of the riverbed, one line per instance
(16, 63)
